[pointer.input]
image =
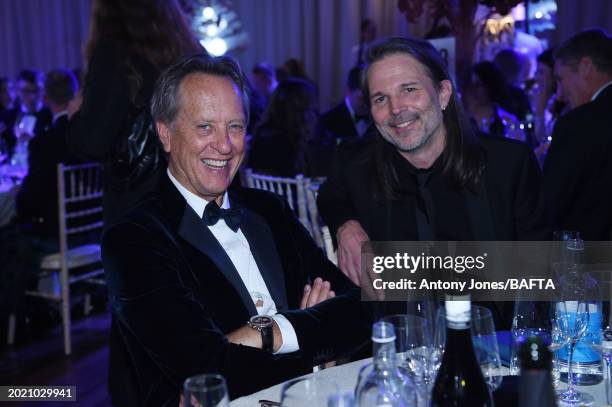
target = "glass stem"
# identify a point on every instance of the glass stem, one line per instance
(570, 376)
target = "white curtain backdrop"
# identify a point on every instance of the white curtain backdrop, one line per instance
(321, 33)
(42, 34)
(47, 34)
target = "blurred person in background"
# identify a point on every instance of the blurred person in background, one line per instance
(44, 153)
(29, 117)
(483, 99)
(514, 67)
(263, 83)
(578, 166)
(7, 94)
(280, 143)
(349, 119)
(130, 43)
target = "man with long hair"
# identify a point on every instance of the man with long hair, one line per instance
(426, 176)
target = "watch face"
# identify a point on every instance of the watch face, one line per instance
(261, 321)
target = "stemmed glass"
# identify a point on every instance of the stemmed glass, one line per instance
(486, 347)
(572, 318)
(206, 390)
(308, 391)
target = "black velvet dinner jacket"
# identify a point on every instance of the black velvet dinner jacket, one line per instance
(508, 206)
(175, 294)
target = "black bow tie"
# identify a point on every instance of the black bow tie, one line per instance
(212, 214)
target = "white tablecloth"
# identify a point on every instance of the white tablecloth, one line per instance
(346, 378)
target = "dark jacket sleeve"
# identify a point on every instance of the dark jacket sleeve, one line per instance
(338, 324)
(563, 171)
(334, 200)
(106, 100)
(151, 300)
(531, 221)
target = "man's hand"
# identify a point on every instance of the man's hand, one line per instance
(319, 292)
(252, 337)
(350, 237)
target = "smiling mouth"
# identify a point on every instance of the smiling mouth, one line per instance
(404, 124)
(216, 164)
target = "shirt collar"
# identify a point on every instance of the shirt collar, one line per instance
(58, 115)
(600, 90)
(195, 202)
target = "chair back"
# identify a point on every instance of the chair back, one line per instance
(79, 200)
(292, 189)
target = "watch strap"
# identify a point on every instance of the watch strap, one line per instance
(267, 339)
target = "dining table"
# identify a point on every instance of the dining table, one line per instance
(345, 376)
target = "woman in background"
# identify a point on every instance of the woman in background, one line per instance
(281, 141)
(483, 99)
(130, 43)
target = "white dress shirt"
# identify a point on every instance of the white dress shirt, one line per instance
(598, 91)
(238, 250)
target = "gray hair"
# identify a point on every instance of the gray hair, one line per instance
(594, 43)
(166, 99)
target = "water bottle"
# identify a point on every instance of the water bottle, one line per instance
(385, 385)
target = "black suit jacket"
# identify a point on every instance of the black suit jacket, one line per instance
(37, 197)
(513, 208)
(175, 295)
(578, 170)
(338, 123)
(508, 205)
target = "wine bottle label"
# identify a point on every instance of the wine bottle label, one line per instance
(458, 312)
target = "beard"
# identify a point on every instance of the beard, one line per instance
(409, 144)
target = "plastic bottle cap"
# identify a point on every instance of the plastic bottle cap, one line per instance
(383, 332)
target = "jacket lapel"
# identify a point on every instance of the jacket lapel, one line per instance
(193, 231)
(265, 253)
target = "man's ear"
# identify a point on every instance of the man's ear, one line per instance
(163, 130)
(445, 93)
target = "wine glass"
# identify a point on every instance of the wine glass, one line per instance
(486, 347)
(572, 318)
(206, 390)
(308, 391)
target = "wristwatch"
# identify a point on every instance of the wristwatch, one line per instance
(264, 324)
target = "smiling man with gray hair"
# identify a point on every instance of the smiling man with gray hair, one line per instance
(206, 280)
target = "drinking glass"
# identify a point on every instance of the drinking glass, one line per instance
(572, 318)
(415, 353)
(308, 391)
(559, 250)
(207, 390)
(486, 347)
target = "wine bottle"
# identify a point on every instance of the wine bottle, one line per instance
(385, 385)
(535, 388)
(459, 382)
